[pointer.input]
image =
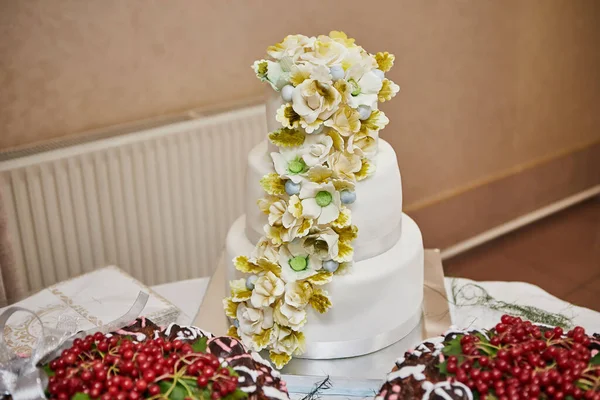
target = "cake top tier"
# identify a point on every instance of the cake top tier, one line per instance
(329, 82)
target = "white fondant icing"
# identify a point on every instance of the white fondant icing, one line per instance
(378, 295)
(415, 370)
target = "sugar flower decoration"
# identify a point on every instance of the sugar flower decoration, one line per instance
(296, 263)
(289, 316)
(290, 164)
(330, 89)
(322, 243)
(314, 102)
(321, 202)
(317, 148)
(294, 220)
(267, 289)
(254, 320)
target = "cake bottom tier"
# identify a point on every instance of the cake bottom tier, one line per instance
(376, 304)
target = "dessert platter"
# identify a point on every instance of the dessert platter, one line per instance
(324, 257)
(144, 361)
(516, 359)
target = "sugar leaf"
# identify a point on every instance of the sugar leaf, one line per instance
(273, 184)
(286, 137)
(320, 278)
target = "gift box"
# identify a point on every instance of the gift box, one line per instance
(92, 299)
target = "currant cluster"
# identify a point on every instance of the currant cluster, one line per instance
(519, 361)
(116, 368)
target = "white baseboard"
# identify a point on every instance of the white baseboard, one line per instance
(519, 222)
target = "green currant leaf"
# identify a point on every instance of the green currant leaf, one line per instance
(80, 396)
(237, 395)
(199, 346)
(595, 360)
(443, 367)
(47, 370)
(232, 372)
(453, 347)
(569, 397)
(177, 391)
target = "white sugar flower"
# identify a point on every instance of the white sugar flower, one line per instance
(294, 221)
(292, 46)
(296, 263)
(289, 316)
(253, 320)
(267, 289)
(286, 315)
(320, 201)
(365, 85)
(317, 149)
(344, 165)
(326, 52)
(290, 164)
(276, 211)
(363, 144)
(297, 294)
(265, 249)
(286, 341)
(314, 102)
(321, 74)
(271, 72)
(323, 244)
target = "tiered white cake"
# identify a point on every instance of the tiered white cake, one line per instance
(378, 300)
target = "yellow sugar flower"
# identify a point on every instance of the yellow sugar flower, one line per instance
(341, 37)
(345, 165)
(346, 121)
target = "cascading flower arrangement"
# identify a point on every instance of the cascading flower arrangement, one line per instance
(328, 141)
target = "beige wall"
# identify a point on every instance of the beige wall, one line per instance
(487, 86)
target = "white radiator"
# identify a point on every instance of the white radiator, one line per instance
(156, 202)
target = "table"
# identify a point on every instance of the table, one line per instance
(188, 296)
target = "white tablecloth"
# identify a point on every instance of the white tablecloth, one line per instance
(188, 295)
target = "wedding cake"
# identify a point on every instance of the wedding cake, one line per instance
(326, 265)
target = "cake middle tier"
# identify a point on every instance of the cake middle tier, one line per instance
(375, 304)
(377, 211)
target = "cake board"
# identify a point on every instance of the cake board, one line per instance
(355, 376)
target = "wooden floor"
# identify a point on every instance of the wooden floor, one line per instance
(560, 254)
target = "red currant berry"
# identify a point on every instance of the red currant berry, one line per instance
(87, 376)
(452, 367)
(154, 389)
(141, 385)
(202, 381)
(149, 375)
